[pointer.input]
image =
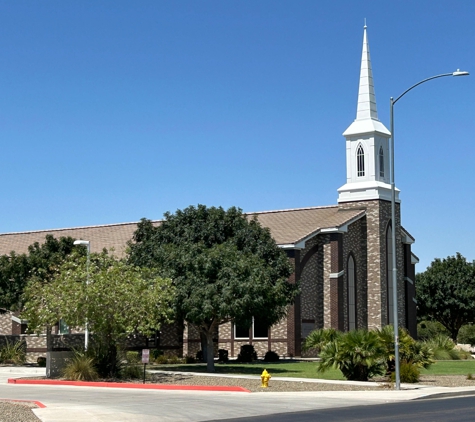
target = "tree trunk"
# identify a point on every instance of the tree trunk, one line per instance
(204, 346)
(210, 351)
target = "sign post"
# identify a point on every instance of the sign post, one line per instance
(145, 360)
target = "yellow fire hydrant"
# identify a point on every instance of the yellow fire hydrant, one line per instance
(265, 377)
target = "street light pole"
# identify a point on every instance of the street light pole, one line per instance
(393, 101)
(88, 248)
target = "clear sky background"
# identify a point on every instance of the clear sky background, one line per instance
(111, 111)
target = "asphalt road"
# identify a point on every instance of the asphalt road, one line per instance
(460, 409)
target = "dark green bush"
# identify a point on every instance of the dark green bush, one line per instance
(467, 334)
(223, 355)
(132, 357)
(200, 356)
(155, 353)
(190, 359)
(271, 356)
(247, 354)
(41, 361)
(427, 330)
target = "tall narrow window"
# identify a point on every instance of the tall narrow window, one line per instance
(389, 271)
(351, 294)
(360, 161)
(381, 161)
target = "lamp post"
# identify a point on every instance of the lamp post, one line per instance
(88, 248)
(393, 101)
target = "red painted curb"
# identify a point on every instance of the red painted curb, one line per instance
(38, 403)
(128, 385)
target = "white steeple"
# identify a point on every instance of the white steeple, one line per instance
(367, 144)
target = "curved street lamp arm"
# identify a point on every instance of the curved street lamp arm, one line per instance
(421, 82)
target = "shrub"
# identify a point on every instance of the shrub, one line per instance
(132, 371)
(469, 376)
(427, 330)
(359, 355)
(190, 359)
(467, 334)
(200, 356)
(443, 348)
(408, 373)
(174, 360)
(132, 357)
(155, 353)
(223, 355)
(247, 354)
(13, 352)
(161, 360)
(107, 361)
(41, 361)
(317, 339)
(80, 368)
(271, 356)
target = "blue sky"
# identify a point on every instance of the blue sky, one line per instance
(111, 111)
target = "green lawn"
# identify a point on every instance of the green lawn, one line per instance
(303, 369)
(281, 369)
(451, 367)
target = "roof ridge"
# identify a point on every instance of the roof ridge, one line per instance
(291, 209)
(75, 228)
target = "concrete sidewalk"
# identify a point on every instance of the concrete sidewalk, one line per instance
(112, 404)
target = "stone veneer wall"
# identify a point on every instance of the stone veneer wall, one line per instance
(378, 216)
(355, 243)
(5, 323)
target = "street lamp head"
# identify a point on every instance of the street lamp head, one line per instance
(81, 242)
(460, 73)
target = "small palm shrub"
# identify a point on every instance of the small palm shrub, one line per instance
(271, 356)
(80, 368)
(317, 339)
(443, 348)
(223, 356)
(247, 354)
(358, 354)
(408, 373)
(14, 353)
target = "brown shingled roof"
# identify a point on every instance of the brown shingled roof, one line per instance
(286, 226)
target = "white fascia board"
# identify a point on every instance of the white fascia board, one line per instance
(406, 237)
(337, 275)
(414, 259)
(414, 300)
(298, 245)
(20, 321)
(408, 279)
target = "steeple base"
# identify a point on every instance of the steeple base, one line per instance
(366, 191)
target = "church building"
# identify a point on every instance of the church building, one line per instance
(341, 253)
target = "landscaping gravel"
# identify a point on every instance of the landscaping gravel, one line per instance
(16, 412)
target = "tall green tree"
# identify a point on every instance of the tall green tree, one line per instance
(40, 262)
(225, 267)
(120, 299)
(446, 293)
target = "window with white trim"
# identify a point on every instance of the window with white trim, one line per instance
(360, 161)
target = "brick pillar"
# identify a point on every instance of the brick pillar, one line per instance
(294, 313)
(336, 282)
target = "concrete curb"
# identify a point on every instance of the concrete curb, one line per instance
(37, 403)
(129, 385)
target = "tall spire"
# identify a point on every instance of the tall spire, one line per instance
(366, 98)
(366, 113)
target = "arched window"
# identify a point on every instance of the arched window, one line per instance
(389, 272)
(351, 294)
(360, 161)
(381, 161)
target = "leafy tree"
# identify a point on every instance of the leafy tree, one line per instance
(224, 266)
(119, 299)
(446, 293)
(40, 263)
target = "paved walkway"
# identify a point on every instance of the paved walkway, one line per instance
(118, 404)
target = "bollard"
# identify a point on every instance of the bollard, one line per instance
(265, 377)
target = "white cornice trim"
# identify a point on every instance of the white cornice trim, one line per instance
(20, 321)
(337, 275)
(414, 259)
(408, 279)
